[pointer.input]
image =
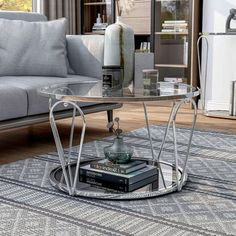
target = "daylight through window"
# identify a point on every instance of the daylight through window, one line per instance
(16, 5)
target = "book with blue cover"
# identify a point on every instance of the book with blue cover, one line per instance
(117, 178)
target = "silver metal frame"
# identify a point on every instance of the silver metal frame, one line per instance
(66, 161)
(71, 181)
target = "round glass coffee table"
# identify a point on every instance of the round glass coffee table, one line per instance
(170, 177)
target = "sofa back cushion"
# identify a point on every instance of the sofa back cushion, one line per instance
(26, 16)
(33, 48)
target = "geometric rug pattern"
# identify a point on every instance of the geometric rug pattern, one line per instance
(29, 205)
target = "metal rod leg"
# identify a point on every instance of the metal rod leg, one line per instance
(190, 141)
(151, 144)
(166, 132)
(79, 158)
(68, 159)
(176, 154)
(149, 132)
(71, 143)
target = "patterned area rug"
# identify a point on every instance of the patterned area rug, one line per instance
(205, 206)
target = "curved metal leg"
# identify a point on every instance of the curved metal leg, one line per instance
(70, 180)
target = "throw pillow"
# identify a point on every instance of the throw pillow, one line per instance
(33, 48)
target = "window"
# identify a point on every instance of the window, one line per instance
(16, 5)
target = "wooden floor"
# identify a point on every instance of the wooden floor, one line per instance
(26, 142)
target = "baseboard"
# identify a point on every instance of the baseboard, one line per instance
(215, 105)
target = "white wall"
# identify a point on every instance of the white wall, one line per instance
(222, 54)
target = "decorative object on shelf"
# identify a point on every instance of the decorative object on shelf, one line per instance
(118, 152)
(119, 44)
(112, 80)
(231, 17)
(100, 25)
(124, 6)
(142, 61)
(145, 47)
(150, 79)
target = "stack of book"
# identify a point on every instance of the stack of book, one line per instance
(175, 26)
(99, 28)
(120, 177)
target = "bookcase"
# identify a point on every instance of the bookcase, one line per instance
(175, 29)
(90, 9)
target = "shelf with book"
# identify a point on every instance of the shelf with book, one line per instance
(171, 33)
(96, 16)
(171, 65)
(175, 29)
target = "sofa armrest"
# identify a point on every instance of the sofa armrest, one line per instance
(85, 54)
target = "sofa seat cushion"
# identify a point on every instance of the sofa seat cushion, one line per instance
(13, 102)
(38, 104)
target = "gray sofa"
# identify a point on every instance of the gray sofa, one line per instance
(20, 104)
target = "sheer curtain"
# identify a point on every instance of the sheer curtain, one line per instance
(55, 9)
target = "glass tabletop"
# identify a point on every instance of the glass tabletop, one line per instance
(93, 91)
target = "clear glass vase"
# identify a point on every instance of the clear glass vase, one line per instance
(118, 152)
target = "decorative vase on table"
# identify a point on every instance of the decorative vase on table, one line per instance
(119, 49)
(118, 152)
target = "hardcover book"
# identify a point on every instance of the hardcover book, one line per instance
(118, 168)
(119, 187)
(116, 178)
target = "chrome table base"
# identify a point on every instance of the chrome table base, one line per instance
(171, 177)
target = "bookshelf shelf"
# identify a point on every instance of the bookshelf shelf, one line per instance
(171, 33)
(171, 66)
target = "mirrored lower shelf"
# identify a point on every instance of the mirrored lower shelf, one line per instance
(153, 188)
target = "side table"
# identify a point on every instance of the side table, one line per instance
(171, 177)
